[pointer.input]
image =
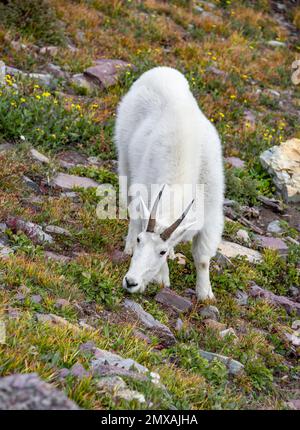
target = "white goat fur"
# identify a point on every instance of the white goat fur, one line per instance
(162, 137)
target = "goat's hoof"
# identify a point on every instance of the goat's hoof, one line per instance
(202, 297)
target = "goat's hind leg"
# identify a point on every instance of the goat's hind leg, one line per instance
(205, 245)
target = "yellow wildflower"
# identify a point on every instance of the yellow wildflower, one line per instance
(46, 94)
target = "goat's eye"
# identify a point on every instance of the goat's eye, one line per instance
(138, 240)
(162, 252)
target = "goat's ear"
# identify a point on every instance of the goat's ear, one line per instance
(144, 213)
(180, 231)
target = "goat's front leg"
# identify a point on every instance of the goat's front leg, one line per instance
(134, 229)
(203, 285)
(163, 276)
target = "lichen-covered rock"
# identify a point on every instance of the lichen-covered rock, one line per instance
(283, 164)
(29, 392)
(32, 230)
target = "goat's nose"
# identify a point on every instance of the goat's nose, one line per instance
(130, 282)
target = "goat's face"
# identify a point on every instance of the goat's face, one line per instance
(152, 248)
(149, 256)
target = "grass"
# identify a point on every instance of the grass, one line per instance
(57, 118)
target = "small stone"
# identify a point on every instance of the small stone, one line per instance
(63, 373)
(106, 72)
(62, 303)
(241, 298)
(49, 50)
(81, 82)
(228, 250)
(159, 329)
(31, 184)
(179, 324)
(142, 336)
(54, 229)
(234, 367)
(116, 386)
(294, 291)
(56, 71)
(274, 227)
(20, 297)
(276, 43)
(228, 332)
(103, 357)
(71, 158)
(39, 157)
(211, 312)
(36, 298)
(68, 182)
(180, 259)
(243, 235)
(5, 251)
(294, 338)
(57, 257)
(216, 71)
(272, 243)
(169, 298)
(88, 346)
(235, 162)
(79, 371)
(214, 325)
(296, 325)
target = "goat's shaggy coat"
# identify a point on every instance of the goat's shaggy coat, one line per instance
(162, 137)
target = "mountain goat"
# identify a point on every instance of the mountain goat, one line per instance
(163, 138)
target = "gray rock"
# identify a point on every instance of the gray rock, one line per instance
(79, 371)
(241, 298)
(179, 324)
(289, 305)
(56, 71)
(274, 227)
(49, 50)
(54, 229)
(63, 373)
(228, 331)
(71, 158)
(243, 235)
(33, 231)
(68, 182)
(36, 155)
(5, 251)
(169, 298)
(211, 312)
(36, 298)
(106, 72)
(283, 164)
(234, 367)
(159, 329)
(88, 346)
(83, 83)
(57, 257)
(103, 357)
(31, 184)
(228, 250)
(216, 71)
(62, 303)
(115, 386)
(274, 243)
(29, 392)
